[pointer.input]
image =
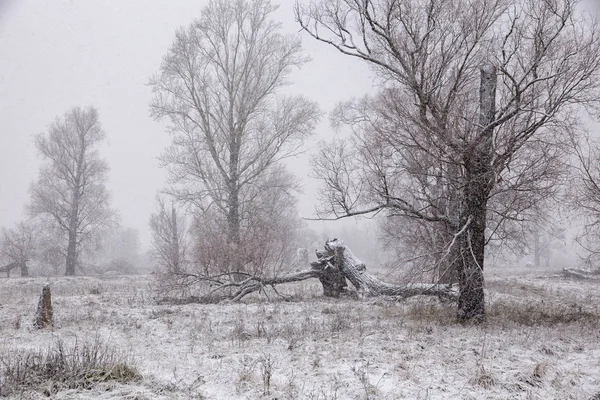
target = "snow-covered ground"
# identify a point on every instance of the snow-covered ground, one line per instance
(541, 341)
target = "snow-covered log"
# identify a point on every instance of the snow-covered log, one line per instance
(580, 274)
(368, 285)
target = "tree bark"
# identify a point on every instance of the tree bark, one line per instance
(71, 254)
(24, 269)
(175, 237)
(331, 277)
(479, 179)
(233, 220)
(537, 248)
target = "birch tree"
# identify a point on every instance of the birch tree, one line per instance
(475, 99)
(70, 192)
(220, 88)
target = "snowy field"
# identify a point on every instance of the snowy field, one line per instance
(541, 341)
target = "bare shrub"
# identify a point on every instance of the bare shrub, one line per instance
(266, 372)
(362, 373)
(245, 374)
(82, 365)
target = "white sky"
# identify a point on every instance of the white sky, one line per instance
(58, 54)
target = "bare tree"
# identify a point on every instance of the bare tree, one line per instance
(70, 191)
(169, 237)
(219, 87)
(476, 98)
(17, 245)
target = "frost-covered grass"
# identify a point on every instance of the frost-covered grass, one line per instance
(78, 366)
(541, 341)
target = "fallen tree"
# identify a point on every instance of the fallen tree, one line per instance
(580, 274)
(335, 266)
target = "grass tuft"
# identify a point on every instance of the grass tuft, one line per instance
(60, 367)
(484, 379)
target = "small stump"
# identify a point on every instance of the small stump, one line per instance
(44, 317)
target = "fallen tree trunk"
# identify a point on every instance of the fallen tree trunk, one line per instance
(335, 265)
(580, 274)
(368, 285)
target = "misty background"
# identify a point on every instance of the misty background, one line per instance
(61, 54)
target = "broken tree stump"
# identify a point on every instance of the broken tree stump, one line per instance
(368, 285)
(331, 277)
(44, 317)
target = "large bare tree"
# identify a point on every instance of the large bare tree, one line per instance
(220, 87)
(476, 98)
(70, 192)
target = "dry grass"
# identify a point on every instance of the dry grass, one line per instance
(540, 340)
(59, 367)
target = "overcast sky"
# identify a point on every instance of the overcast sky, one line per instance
(57, 54)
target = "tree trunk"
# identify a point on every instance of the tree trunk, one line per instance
(331, 277)
(175, 247)
(479, 179)
(471, 303)
(580, 274)
(71, 254)
(72, 249)
(233, 221)
(24, 269)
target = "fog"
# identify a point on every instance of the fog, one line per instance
(61, 54)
